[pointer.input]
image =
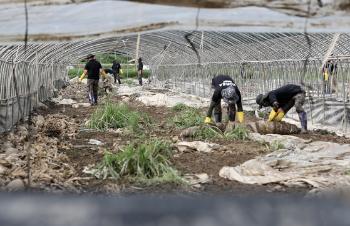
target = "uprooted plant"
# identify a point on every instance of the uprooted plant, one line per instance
(115, 116)
(148, 161)
(207, 132)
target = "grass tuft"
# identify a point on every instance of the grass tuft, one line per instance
(116, 116)
(186, 117)
(238, 133)
(143, 161)
(179, 107)
(276, 145)
(207, 132)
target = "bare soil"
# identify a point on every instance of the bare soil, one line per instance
(81, 154)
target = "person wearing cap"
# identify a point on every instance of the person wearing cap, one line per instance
(329, 71)
(282, 100)
(92, 69)
(228, 91)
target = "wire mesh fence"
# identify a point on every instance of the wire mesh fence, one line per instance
(328, 100)
(258, 62)
(23, 86)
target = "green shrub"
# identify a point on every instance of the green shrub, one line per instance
(186, 117)
(149, 160)
(238, 133)
(179, 107)
(74, 72)
(118, 116)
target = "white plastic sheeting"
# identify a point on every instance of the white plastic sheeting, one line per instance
(300, 163)
(117, 17)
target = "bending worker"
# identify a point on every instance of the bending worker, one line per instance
(93, 69)
(227, 90)
(282, 100)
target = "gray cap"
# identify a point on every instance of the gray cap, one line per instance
(229, 95)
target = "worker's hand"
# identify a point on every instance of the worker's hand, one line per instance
(272, 115)
(280, 115)
(121, 71)
(275, 106)
(81, 77)
(207, 120)
(240, 116)
(326, 75)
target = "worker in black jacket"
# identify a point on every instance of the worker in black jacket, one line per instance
(227, 90)
(282, 100)
(92, 69)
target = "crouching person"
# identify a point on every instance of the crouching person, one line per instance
(228, 91)
(282, 100)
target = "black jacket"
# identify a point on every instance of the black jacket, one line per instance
(116, 67)
(219, 83)
(93, 69)
(283, 95)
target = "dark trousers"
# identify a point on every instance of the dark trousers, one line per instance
(116, 77)
(139, 74)
(93, 88)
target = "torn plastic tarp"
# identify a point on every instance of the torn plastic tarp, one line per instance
(298, 162)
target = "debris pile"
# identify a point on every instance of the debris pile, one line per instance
(47, 168)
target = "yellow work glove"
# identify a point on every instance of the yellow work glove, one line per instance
(326, 75)
(240, 116)
(272, 115)
(81, 77)
(279, 116)
(121, 71)
(207, 120)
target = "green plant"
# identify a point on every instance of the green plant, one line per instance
(118, 116)
(206, 132)
(276, 145)
(143, 161)
(186, 117)
(74, 72)
(261, 114)
(238, 133)
(179, 107)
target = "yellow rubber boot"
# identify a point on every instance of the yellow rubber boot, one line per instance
(240, 116)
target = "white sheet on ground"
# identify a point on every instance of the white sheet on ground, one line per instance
(317, 164)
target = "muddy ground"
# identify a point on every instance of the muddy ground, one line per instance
(78, 154)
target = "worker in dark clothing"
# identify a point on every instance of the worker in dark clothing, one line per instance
(282, 100)
(92, 69)
(140, 70)
(116, 71)
(227, 90)
(329, 71)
